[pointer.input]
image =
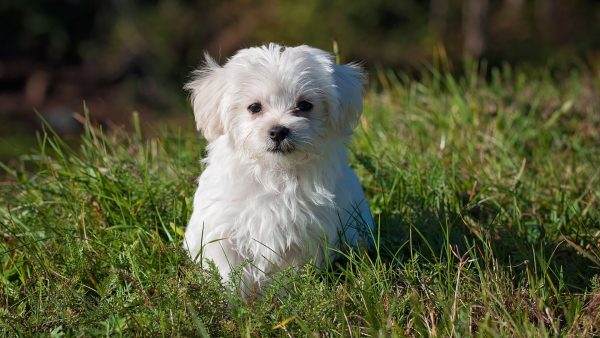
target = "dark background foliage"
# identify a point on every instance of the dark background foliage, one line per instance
(125, 55)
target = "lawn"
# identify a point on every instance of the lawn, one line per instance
(485, 190)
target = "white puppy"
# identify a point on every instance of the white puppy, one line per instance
(277, 190)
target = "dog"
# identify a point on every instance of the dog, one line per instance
(276, 191)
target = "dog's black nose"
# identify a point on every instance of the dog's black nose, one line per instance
(278, 133)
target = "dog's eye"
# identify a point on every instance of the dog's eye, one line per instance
(304, 106)
(254, 108)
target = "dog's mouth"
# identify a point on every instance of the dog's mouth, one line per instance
(282, 148)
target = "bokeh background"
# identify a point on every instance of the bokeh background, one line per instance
(123, 56)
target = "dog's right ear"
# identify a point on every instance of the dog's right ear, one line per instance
(208, 88)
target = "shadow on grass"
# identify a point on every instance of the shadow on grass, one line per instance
(434, 235)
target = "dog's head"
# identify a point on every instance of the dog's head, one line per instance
(277, 103)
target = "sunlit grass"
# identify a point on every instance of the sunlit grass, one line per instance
(486, 195)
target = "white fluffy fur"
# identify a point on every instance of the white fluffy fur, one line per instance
(262, 210)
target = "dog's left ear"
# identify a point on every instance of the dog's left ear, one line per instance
(208, 89)
(349, 82)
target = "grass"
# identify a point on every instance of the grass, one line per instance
(486, 194)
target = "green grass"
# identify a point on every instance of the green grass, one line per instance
(486, 193)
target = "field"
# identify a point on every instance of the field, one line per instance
(485, 189)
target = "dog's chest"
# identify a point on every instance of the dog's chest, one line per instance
(278, 215)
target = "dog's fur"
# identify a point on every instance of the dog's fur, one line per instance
(264, 205)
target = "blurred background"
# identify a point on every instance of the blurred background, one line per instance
(123, 56)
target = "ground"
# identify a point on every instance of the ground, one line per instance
(484, 186)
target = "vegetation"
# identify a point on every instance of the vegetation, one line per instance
(486, 194)
(120, 56)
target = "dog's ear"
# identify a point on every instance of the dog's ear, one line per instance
(208, 88)
(349, 82)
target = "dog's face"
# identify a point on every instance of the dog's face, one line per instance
(281, 105)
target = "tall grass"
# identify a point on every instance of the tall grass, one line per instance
(485, 191)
